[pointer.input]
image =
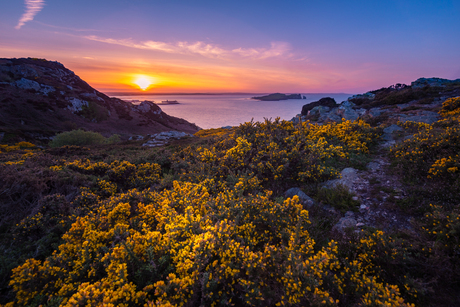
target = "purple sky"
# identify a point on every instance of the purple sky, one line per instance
(246, 46)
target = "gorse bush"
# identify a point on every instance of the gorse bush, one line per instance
(81, 138)
(207, 224)
(278, 153)
(431, 156)
(185, 246)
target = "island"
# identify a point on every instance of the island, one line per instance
(277, 97)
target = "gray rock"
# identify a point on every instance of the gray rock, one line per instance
(367, 95)
(349, 175)
(162, 138)
(392, 129)
(330, 116)
(144, 106)
(136, 137)
(76, 104)
(348, 221)
(404, 105)
(388, 132)
(423, 116)
(345, 110)
(422, 82)
(46, 89)
(373, 166)
(319, 110)
(374, 112)
(388, 144)
(305, 200)
(27, 84)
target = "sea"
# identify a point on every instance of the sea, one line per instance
(216, 111)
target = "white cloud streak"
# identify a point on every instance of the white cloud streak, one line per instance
(32, 8)
(277, 49)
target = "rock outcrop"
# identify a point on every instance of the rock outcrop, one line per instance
(323, 102)
(433, 82)
(418, 102)
(39, 97)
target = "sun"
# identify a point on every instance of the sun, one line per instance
(143, 82)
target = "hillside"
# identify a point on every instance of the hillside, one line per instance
(339, 212)
(39, 98)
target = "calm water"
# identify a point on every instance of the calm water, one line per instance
(215, 111)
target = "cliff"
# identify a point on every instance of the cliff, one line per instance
(39, 98)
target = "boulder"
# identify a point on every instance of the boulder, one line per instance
(348, 221)
(325, 102)
(388, 132)
(27, 84)
(305, 200)
(349, 175)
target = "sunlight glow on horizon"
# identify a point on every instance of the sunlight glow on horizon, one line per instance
(143, 82)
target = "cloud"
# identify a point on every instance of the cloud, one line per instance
(32, 8)
(277, 49)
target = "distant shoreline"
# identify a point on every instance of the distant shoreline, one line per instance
(210, 94)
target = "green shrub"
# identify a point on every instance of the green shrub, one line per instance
(82, 138)
(338, 197)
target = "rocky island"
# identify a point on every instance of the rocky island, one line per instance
(278, 97)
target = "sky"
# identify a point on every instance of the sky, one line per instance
(289, 46)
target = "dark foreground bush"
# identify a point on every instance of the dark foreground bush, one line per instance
(82, 138)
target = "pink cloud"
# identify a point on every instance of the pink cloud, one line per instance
(277, 49)
(32, 8)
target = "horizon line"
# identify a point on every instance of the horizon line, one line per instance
(206, 93)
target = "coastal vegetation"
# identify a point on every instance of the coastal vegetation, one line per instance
(204, 221)
(82, 138)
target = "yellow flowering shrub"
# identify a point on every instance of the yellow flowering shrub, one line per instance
(278, 153)
(431, 156)
(185, 246)
(450, 107)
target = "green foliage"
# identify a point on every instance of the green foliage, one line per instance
(338, 197)
(82, 138)
(94, 112)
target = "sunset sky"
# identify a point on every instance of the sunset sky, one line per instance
(238, 46)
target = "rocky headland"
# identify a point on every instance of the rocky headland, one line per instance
(419, 102)
(39, 98)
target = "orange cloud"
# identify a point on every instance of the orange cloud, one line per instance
(32, 8)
